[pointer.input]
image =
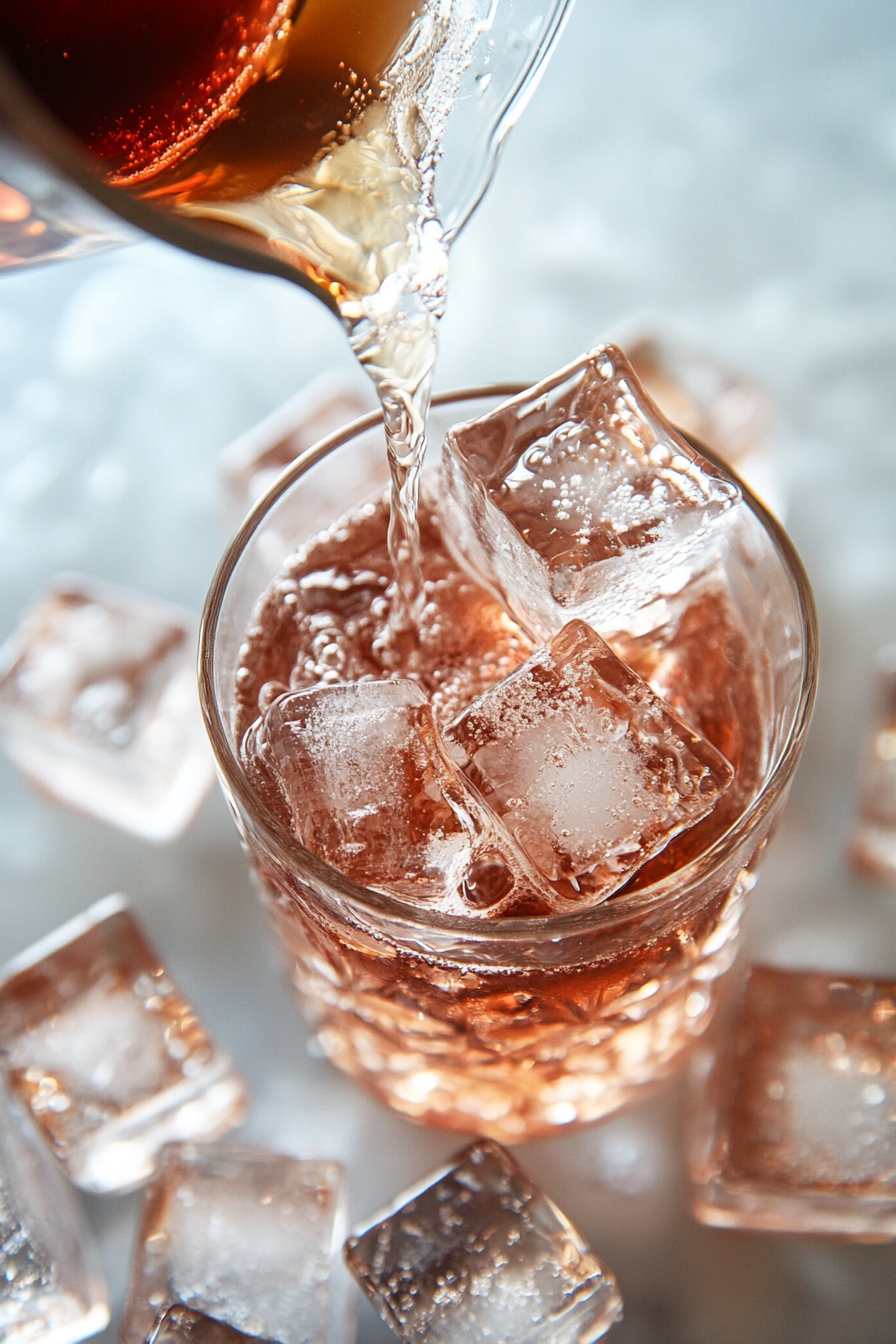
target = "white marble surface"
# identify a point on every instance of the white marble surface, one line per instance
(731, 166)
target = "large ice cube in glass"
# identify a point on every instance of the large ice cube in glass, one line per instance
(107, 1054)
(476, 1252)
(794, 1118)
(360, 775)
(590, 771)
(52, 1291)
(578, 499)
(183, 1325)
(99, 706)
(247, 1236)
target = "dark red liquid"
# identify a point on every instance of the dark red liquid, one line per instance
(242, 93)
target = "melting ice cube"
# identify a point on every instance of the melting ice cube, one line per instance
(98, 705)
(107, 1054)
(369, 787)
(476, 1252)
(183, 1325)
(578, 499)
(794, 1120)
(49, 1267)
(246, 1236)
(590, 771)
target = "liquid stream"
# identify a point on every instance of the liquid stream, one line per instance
(308, 125)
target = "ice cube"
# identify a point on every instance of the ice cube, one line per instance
(362, 778)
(99, 707)
(182, 1325)
(873, 845)
(53, 1292)
(253, 461)
(578, 499)
(247, 1236)
(590, 771)
(794, 1120)
(110, 1058)
(476, 1252)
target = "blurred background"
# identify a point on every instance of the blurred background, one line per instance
(726, 168)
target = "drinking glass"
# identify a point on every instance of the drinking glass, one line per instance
(513, 1028)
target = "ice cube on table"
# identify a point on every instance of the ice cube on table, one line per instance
(106, 1053)
(794, 1116)
(183, 1325)
(52, 1290)
(872, 849)
(721, 408)
(246, 1236)
(99, 706)
(363, 779)
(700, 394)
(476, 1252)
(253, 462)
(578, 499)
(589, 770)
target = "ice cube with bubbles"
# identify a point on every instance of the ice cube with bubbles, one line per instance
(247, 1236)
(359, 774)
(476, 1252)
(53, 1291)
(106, 1053)
(577, 498)
(99, 706)
(183, 1325)
(794, 1113)
(590, 771)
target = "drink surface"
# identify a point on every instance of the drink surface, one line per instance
(325, 619)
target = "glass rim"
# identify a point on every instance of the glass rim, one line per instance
(367, 901)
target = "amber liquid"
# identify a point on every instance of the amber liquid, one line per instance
(206, 102)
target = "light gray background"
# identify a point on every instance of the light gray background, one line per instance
(729, 165)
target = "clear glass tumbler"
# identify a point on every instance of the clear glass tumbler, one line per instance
(512, 1028)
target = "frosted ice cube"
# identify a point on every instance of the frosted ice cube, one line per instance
(252, 462)
(794, 1119)
(872, 848)
(99, 707)
(110, 1058)
(476, 1252)
(247, 1236)
(52, 1291)
(590, 771)
(183, 1325)
(578, 499)
(368, 786)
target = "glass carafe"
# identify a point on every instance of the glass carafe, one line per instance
(57, 200)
